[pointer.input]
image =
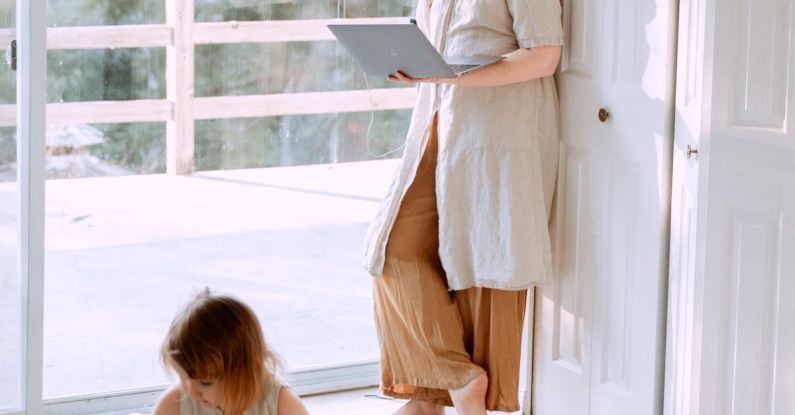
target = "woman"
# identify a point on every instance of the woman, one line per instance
(468, 210)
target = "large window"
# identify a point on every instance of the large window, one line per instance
(252, 169)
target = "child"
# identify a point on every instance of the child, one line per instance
(216, 347)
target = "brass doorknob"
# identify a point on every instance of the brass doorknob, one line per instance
(603, 115)
(691, 151)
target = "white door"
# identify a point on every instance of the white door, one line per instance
(688, 156)
(599, 329)
(732, 344)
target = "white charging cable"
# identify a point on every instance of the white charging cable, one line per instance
(370, 126)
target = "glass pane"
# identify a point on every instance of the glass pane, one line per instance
(101, 150)
(247, 10)
(275, 213)
(105, 13)
(106, 74)
(117, 248)
(299, 140)
(10, 294)
(283, 67)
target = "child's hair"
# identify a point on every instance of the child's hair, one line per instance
(217, 337)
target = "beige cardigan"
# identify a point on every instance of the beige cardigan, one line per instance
(498, 151)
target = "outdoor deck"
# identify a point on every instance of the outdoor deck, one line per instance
(123, 253)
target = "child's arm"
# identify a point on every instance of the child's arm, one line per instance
(168, 404)
(290, 403)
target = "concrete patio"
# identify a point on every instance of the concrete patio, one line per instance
(123, 254)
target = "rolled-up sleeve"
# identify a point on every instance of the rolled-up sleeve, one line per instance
(537, 22)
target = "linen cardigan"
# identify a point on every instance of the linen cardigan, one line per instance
(498, 151)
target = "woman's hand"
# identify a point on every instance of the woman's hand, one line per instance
(405, 79)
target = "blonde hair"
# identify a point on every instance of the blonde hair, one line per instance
(218, 337)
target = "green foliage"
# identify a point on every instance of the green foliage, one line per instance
(139, 148)
(7, 77)
(104, 12)
(7, 13)
(249, 10)
(105, 74)
(273, 68)
(8, 147)
(298, 140)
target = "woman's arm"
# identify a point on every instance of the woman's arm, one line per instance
(518, 66)
(290, 403)
(168, 404)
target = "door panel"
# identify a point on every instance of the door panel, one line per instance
(564, 306)
(752, 310)
(759, 68)
(578, 56)
(746, 353)
(637, 88)
(629, 48)
(749, 214)
(611, 250)
(731, 286)
(615, 339)
(568, 291)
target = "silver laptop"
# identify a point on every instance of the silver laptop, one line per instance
(383, 49)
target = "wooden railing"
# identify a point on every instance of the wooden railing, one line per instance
(181, 109)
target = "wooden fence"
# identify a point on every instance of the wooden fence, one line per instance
(181, 109)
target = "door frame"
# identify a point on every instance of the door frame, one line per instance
(31, 22)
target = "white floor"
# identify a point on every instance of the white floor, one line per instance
(359, 402)
(124, 253)
(367, 401)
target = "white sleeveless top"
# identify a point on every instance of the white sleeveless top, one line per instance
(268, 405)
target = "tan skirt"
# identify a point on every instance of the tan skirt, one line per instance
(432, 339)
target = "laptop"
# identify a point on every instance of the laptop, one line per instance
(383, 49)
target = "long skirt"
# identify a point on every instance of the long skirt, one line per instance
(432, 339)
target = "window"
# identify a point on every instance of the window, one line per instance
(254, 171)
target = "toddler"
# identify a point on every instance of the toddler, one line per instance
(216, 347)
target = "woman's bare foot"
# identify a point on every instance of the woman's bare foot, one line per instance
(470, 399)
(420, 408)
